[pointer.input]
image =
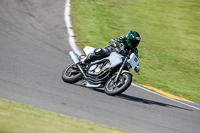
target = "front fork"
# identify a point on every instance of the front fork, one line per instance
(120, 70)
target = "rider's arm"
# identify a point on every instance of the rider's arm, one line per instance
(116, 42)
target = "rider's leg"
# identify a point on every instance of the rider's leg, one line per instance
(98, 54)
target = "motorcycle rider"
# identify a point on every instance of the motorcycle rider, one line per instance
(121, 45)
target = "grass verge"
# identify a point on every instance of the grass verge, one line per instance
(20, 118)
(169, 50)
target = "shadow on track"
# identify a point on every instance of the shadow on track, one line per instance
(137, 99)
(145, 101)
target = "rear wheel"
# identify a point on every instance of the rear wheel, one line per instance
(71, 74)
(114, 88)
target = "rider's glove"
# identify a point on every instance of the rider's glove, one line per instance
(116, 44)
(137, 69)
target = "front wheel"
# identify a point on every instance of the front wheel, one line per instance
(71, 74)
(114, 88)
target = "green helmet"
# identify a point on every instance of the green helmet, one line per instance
(133, 39)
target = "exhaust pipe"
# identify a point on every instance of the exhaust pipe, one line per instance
(76, 62)
(74, 57)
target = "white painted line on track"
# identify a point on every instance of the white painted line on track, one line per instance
(68, 23)
(164, 96)
(79, 51)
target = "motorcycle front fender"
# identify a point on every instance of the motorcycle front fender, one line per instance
(125, 71)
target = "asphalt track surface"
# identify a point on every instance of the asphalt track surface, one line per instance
(34, 51)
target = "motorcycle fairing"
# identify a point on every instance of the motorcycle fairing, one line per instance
(99, 70)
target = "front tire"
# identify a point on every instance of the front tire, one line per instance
(123, 83)
(71, 75)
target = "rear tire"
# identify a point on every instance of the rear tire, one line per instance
(112, 88)
(71, 75)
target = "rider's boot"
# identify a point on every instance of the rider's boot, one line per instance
(86, 59)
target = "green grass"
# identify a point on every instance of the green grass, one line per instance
(20, 118)
(170, 47)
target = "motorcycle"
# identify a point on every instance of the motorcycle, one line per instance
(112, 73)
